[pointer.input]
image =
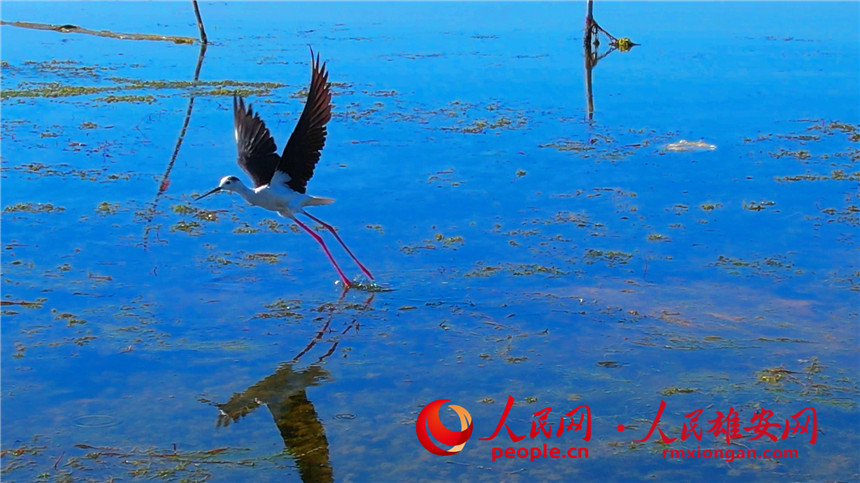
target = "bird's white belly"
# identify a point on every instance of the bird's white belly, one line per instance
(279, 200)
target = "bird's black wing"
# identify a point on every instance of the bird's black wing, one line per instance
(303, 149)
(256, 146)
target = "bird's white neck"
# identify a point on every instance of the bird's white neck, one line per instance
(246, 193)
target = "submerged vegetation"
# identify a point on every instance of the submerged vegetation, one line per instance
(57, 89)
(512, 231)
(33, 208)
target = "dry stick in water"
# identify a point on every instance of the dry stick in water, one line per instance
(101, 33)
(200, 23)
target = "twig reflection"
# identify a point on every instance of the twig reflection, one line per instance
(591, 47)
(592, 57)
(165, 178)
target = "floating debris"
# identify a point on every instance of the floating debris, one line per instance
(670, 391)
(758, 205)
(623, 44)
(684, 146)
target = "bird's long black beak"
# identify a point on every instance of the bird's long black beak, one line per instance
(207, 194)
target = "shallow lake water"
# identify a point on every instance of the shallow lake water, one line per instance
(692, 240)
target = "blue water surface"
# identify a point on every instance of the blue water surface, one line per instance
(521, 246)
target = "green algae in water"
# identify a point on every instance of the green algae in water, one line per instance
(528, 269)
(147, 99)
(107, 208)
(758, 205)
(271, 258)
(245, 229)
(190, 227)
(514, 269)
(183, 209)
(53, 89)
(671, 391)
(612, 257)
(483, 271)
(199, 213)
(772, 265)
(33, 208)
(280, 309)
(568, 145)
(835, 175)
(800, 154)
(482, 125)
(449, 240)
(527, 218)
(71, 319)
(219, 88)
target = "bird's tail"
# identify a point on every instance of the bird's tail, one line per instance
(318, 201)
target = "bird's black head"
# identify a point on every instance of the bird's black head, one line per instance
(228, 183)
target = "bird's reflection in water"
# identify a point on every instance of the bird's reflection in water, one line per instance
(284, 393)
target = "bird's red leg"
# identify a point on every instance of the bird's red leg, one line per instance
(325, 248)
(333, 232)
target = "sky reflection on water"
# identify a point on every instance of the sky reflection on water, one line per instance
(529, 252)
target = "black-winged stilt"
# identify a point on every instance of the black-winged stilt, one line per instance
(280, 181)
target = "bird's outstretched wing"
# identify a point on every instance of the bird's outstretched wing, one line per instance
(303, 149)
(256, 147)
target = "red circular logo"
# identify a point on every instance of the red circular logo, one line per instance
(428, 423)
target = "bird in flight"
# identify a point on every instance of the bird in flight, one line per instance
(280, 181)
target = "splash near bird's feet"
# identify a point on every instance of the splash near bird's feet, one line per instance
(363, 284)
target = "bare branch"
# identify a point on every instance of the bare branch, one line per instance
(200, 23)
(101, 33)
